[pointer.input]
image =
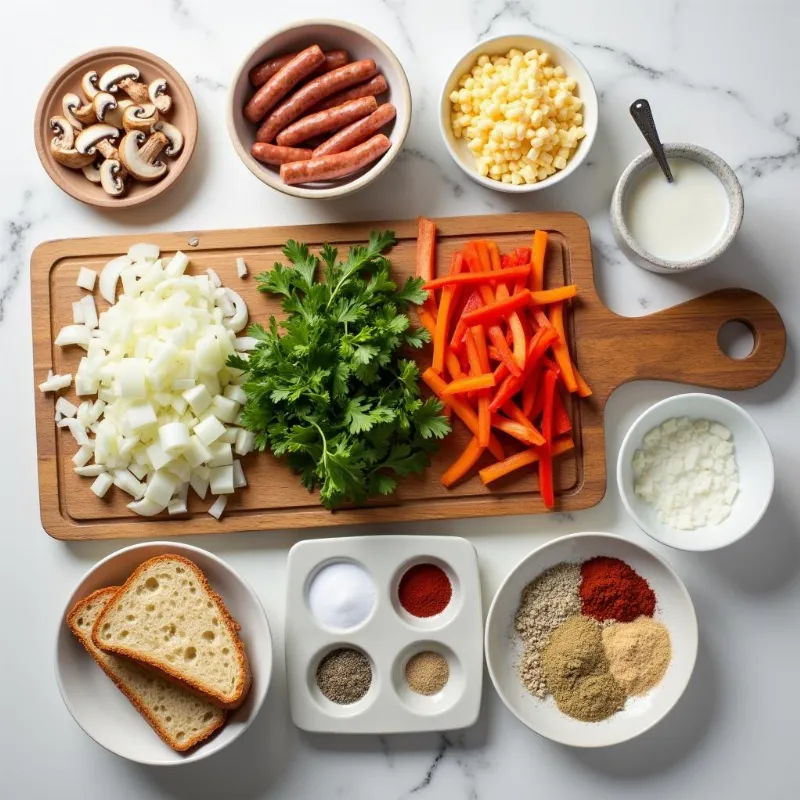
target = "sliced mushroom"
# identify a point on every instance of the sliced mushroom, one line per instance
(102, 103)
(78, 113)
(173, 134)
(109, 80)
(86, 141)
(140, 118)
(89, 85)
(110, 177)
(62, 145)
(114, 115)
(109, 152)
(157, 91)
(135, 90)
(141, 163)
(92, 171)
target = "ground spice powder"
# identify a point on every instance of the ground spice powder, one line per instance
(427, 673)
(576, 671)
(344, 675)
(425, 590)
(610, 589)
(638, 653)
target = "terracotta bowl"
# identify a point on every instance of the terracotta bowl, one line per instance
(68, 79)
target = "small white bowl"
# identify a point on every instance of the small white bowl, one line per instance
(328, 34)
(711, 161)
(105, 713)
(753, 459)
(674, 608)
(560, 56)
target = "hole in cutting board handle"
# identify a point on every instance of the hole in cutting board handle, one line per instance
(736, 339)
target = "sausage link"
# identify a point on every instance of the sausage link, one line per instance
(326, 121)
(313, 92)
(271, 154)
(336, 166)
(374, 86)
(358, 132)
(260, 74)
(282, 82)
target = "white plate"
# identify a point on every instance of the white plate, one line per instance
(105, 713)
(753, 458)
(674, 609)
(500, 45)
(389, 637)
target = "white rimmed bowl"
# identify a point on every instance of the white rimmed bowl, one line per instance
(328, 34)
(560, 56)
(674, 609)
(105, 713)
(753, 459)
(711, 161)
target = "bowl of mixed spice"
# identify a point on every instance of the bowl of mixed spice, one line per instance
(591, 640)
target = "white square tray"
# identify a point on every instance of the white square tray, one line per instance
(389, 637)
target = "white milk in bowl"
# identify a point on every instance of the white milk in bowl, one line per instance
(678, 221)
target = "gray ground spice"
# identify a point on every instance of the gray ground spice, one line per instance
(344, 675)
(545, 603)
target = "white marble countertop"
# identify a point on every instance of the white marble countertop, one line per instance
(719, 73)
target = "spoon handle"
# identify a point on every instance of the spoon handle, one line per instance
(643, 117)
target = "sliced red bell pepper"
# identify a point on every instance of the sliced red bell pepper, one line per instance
(522, 459)
(512, 410)
(463, 464)
(473, 302)
(546, 451)
(521, 433)
(498, 311)
(503, 351)
(561, 421)
(560, 351)
(482, 278)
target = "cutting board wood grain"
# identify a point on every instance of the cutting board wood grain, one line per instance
(678, 344)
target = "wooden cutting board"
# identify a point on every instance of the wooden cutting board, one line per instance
(679, 344)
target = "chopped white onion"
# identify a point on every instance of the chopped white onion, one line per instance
(146, 507)
(89, 311)
(66, 408)
(90, 471)
(213, 277)
(235, 393)
(243, 344)
(218, 506)
(125, 481)
(209, 430)
(238, 320)
(86, 278)
(199, 484)
(245, 440)
(239, 481)
(241, 267)
(177, 265)
(221, 455)
(77, 313)
(83, 456)
(177, 506)
(74, 334)
(102, 484)
(109, 276)
(143, 252)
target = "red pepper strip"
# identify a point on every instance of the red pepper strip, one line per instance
(503, 350)
(511, 385)
(546, 452)
(494, 353)
(561, 421)
(523, 255)
(472, 353)
(449, 297)
(461, 409)
(583, 387)
(560, 350)
(501, 373)
(520, 341)
(484, 279)
(479, 335)
(471, 383)
(530, 391)
(484, 420)
(482, 248)
(538, 252)
(478, 265)
(520, 432)
(548, 363)
(499, 311)
(474, 301)
(513, 411)
(541, 319)
(521, 459)
(494, 257)
(553, 295)
(463, 464)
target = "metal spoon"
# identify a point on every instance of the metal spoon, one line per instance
(643, 117)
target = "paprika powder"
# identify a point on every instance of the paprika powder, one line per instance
(610, 589)
(425, 590)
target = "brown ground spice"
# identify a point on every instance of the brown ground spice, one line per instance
(427, 673)
(638, 652)
(576, 671)
(344, 675)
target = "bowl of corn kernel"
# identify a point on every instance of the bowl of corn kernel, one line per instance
(519, 113)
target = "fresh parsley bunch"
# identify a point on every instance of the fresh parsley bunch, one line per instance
(327, 386)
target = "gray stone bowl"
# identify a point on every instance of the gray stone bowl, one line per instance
(634, 251)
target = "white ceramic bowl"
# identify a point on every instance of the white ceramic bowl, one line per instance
(560, 56)
(674, 609)
(753, 459)
(328, 34)
(105, 713)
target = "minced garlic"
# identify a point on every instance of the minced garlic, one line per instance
(520, 116)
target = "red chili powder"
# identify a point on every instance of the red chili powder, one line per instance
(425, 590)
(610, 589)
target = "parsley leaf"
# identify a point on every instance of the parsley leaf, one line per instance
(327, 387)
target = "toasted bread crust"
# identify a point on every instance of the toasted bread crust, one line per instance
(75, 612)
(206, 692)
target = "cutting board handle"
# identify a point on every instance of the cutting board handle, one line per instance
(682, 343)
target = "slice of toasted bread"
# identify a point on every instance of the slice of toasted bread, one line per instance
(168, 617)
(177, 715)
